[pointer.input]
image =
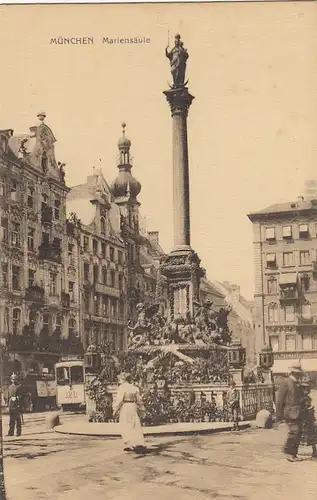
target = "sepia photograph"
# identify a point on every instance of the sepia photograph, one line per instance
(158, 251)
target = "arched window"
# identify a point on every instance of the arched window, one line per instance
(103, 226)
(71, 327)
(16, 321)
(273, 313)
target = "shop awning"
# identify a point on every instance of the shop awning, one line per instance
(288, 279)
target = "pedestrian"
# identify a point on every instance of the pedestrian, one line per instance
(289, 402)
(309, 431)
(15, 407)
(233, 398)
(128, 405)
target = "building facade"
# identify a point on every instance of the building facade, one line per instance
(285, 260)
(39, 319)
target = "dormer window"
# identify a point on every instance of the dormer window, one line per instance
(270, 233)
(287, 232)
(303, 231)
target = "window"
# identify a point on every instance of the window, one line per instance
(273, 313)
(2, 187)
(86, 271)
(76, 375)
(31, 233)
(104, 275)
(303, 231)
(289, 313)
(306, 311)
(16, 278)
(16, 321)
(59, 322)
(71, 327)
(70, 253)
(96, 273)
(121, 309)
(120, 282)
(103, 250)
(102, 226)
(270, 233)
(14, 191)
(305, 283)
(46, 323)
(271, 260)
(57, 208)
(45, 239)
(4, 230)
(272, 286)
(86, 243)
(53, 283)
(111, 254)
(290, 343)
(120, 257)
(287, 232)
(95, 247)
(104, 305)
(304, 258)
(31, 278)
(30, 195)
(32, 321)
(4, 270)
(288, 259)
(96, 304)
(15, 235)
(275, 343)
(71, 290)
(62, 375)
(307, 342)
(113, 279)
(113, 307)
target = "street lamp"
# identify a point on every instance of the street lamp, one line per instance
(2, 350)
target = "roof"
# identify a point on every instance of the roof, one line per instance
(286, 207)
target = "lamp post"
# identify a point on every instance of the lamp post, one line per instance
(2, 350)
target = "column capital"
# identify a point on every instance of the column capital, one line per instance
(179, 100)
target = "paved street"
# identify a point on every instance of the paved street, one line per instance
(230, 466)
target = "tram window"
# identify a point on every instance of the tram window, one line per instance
(62, 375)
(76, 373)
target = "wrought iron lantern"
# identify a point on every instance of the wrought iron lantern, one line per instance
(236, 354)
(92, 359)
(266, 357)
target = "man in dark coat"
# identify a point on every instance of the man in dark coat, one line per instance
(289, 403)
(15, 406)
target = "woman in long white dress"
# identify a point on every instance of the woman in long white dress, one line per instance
(128, 405)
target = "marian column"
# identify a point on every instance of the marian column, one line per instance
(182, 266)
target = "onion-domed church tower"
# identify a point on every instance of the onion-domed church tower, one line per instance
(125, 190)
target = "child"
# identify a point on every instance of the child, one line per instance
(309, 432)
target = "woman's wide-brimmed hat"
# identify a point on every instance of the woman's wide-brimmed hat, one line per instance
(295, 368)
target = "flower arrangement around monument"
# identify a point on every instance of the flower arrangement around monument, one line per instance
(182, 352)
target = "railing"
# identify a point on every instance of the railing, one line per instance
(107, 290)
(50, 252)
(289, 295)
(19, 343)
(253, 397)
(34, 294)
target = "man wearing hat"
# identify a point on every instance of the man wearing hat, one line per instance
(14, 405)
(289, 405)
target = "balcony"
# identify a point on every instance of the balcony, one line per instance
(35, 294)
(47, 215)
(107, 290)
(289, 295)
(49, 345)
(54, 301)
(48, 251)
(65, 300)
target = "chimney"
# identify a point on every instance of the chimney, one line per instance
(154, 237)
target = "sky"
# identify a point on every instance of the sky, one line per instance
(252, 127)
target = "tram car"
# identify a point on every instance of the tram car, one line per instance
(70, 384)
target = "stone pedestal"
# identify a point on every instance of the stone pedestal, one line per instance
(183, 272)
